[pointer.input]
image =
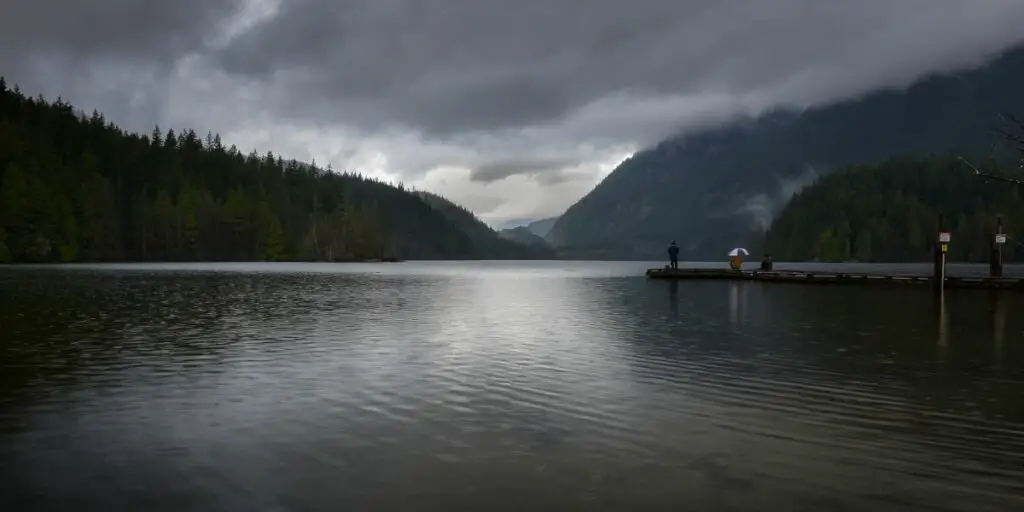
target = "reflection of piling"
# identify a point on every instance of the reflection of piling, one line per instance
(998, 327)
(943, 328)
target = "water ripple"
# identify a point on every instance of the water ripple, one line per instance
(500, 385)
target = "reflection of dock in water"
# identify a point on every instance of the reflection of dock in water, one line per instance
(821, 277)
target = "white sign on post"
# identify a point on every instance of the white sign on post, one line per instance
(944, 237)
(1000, 238)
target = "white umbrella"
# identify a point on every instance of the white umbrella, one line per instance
(738, 250)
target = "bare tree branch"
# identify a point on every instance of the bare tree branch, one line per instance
(1012, 118)
(1015, 138)
(990, 176)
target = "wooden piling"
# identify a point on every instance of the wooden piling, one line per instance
(941, 248)
(995, 266)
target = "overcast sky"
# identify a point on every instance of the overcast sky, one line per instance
(513, 108)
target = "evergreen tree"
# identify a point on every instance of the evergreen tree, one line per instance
(5, 253)
(862, 247)
(74, 187)
(894, 208)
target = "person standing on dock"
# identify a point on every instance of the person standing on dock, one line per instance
(673, 255)
(766, 263)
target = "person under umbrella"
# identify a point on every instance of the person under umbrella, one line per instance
(736, 258)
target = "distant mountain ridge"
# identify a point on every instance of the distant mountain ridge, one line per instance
(522, 235)
(539, 227)
(531, 233)
(485, 240)
(719, 188)
(542, 227)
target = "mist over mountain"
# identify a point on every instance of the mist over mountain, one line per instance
(484, 240)
(719, 188)
(529, 232)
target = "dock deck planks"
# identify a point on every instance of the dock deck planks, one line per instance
(821, 277)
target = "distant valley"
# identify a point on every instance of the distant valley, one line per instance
(531, 233)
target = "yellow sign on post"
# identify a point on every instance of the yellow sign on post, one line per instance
(944, 247)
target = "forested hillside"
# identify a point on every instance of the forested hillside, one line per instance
(523, 235)
(542, 227)
(484, 239)
(716, 189)
(889, 212)
(77, 188)
(532, 233)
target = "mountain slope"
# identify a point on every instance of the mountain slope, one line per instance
(484, 240)
(542, 227)
(532, 233)
(77, 188)
(522, 235)
(719, 188)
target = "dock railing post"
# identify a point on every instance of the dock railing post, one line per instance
(941, 248)
(995, 264)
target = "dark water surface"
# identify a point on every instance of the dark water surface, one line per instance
(501, 386)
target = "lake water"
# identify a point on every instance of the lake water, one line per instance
(501, 386)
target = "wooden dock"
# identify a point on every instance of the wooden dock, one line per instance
(819, 277)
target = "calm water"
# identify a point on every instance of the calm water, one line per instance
(492, 386)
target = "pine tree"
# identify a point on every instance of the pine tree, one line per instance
(187, 210)
(862, 246)
(76, 187)
(5, 253)
(893, 208)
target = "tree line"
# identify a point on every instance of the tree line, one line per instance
(78, 188)
(890, 211)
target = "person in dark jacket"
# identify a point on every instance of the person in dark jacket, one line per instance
(766, 263)
(673, 254)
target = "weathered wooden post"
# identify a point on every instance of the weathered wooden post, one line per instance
(936, 257)
(995, 262)
(941, 248)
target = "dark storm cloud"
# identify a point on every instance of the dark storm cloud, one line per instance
(445, 68)
(423, 90)
(495, 102)
(108, 29)
(465, 65)
(502, 169)
(115, 55)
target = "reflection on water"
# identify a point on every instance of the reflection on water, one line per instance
(998, 326)
(501, 385)
(943, 316)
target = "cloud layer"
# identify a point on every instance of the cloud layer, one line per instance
(515, 109)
